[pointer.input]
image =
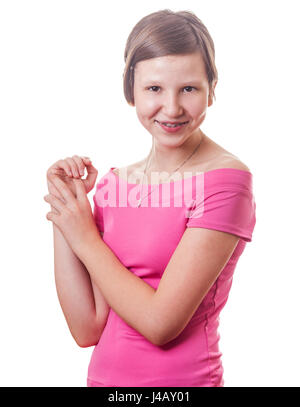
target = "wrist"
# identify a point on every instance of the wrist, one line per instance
(88, 247)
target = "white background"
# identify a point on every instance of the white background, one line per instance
(61, 93)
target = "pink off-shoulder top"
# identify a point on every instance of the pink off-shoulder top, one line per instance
(144, 240)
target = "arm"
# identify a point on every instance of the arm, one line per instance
(83, 305)
(157, 315)
(160, 315)
(193, 268)
(127, 294)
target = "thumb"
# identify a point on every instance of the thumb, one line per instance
(92, 174)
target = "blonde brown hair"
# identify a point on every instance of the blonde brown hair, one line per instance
(163, 33)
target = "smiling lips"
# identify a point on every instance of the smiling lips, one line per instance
(171, 124)
(171, 128)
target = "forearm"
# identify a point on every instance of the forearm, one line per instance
(75, 292)
(128, 295)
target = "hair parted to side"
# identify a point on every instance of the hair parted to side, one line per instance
(163, 33)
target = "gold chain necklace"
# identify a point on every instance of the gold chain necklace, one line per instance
(146, 167)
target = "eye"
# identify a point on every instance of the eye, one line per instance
(156, 87)
(152, 87)
(189, 87)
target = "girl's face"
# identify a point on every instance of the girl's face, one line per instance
(172, 88)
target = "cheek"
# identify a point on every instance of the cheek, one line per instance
(146, 107)
(197, 109)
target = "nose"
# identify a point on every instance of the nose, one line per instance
(171, 106)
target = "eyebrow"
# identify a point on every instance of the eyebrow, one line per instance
(191, 81)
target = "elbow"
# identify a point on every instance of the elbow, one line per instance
(157, 331)
(165, 336)
(152, 335)
(160, 333)
(158, 341)
(155, 341)
(86, 344)
(161, 337)
(86, 341)
(161, 341)
(166, 339)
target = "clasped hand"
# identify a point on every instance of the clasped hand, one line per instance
(72, 213)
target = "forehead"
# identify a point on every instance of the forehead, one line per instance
(179, 66)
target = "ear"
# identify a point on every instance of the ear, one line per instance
(210, 96)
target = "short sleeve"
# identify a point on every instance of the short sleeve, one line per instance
(227, 208)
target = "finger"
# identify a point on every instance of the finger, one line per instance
(61, 172)
(52, 216)
(60, 166)
(62, 188)
(73, 166)
(55, 202)
(92, 174)
(80, 164)
(54, 191)
(54, 210)
(86, 160)
(80, 189)
(64, 165)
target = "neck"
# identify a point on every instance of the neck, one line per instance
(164, 158)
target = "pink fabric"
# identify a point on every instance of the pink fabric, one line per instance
(144, 240)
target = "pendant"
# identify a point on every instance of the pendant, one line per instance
(139, 203)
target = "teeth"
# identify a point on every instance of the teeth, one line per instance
(171, 125)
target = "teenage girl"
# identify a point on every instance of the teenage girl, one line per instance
(141, 278)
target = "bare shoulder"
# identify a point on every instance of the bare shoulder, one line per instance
(215, 156)
(234, 162)
(224, 160)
